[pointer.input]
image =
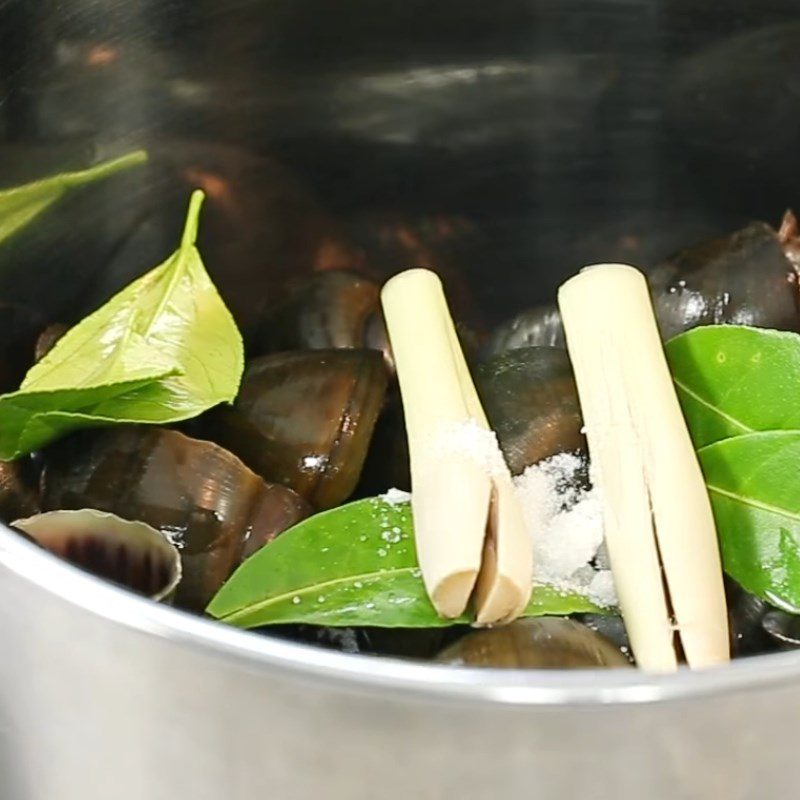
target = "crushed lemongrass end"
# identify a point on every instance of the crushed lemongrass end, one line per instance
(471, 540)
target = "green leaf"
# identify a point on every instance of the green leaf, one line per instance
(21, 205)
(550, 601)
(753, 485)
(733, 380)
(162, 350)
(353, 565)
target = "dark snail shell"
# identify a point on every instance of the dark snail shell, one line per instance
(611, 626)
(48, 338)
(20, 326)
(328, 310)
(783, 629)
(789, 237)
(748, 277)
(125, 552)
(537, 643)
(530, 398)
(746, 614)
(18, 498)
(744, 278)
(387, 464)
(532, 403)
(537, 327)
(277, 510)
(204, 498)
(305, 419)
(756, 626)
(407, 643)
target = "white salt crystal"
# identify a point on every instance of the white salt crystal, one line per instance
(601, 590)
(565, 523)
(395, 497)
(602, 561)
(469, 440)
(571, 539)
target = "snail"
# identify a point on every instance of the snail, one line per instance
(535, 643)
(748, 277)
(206, 500)
(305, 419)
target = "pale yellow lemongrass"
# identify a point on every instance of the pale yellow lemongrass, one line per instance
(505, 580)
(467, 521)
(656, 507)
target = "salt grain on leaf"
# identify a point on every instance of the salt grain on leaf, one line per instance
(395, 497)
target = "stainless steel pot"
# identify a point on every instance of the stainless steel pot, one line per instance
(550, 134)
(103, 696)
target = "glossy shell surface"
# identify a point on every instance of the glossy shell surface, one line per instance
(205, 499)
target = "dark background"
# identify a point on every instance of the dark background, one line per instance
(507, 143)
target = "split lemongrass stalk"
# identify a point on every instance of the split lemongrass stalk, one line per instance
(503, 587)
(469, 529)
(656, 507)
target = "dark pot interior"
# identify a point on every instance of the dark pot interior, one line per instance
(506, 144)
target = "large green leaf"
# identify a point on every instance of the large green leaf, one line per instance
(162, 350)
(733, 380)
(22, 204)
(353, 565)
(753, 485)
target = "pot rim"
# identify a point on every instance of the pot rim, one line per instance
(380, 674)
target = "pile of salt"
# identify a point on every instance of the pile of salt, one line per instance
(469, 440)
(565, 522)
(564, 519)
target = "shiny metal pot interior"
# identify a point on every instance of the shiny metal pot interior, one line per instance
(516, 141)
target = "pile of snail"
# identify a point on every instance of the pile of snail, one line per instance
(318, 421)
